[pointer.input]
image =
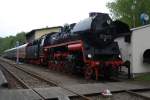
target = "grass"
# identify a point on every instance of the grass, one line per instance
(143, 77)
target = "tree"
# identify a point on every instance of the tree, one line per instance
(10, 42)
(21, 37)
(129, 11)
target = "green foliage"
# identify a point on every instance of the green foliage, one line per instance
(10, 42)
(127, 10)
(143, 77)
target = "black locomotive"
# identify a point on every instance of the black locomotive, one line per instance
(87, 47)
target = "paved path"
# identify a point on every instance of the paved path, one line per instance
(57, 92)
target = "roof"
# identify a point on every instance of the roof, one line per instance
(21, 46)
(141, 27)
(32, 31)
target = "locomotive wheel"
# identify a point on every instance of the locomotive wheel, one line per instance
(41, 61)
(62, 66)
(88, 73)
(95, 74)
(107, 72)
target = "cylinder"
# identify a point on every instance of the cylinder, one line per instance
(75, 47)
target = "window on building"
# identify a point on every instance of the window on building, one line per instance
(127, 39)
(146, 56)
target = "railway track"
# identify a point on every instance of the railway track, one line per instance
(13, 83)
(30, 73)
(26, 77)
(122, 95)
(140, 93)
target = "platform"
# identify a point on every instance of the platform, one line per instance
(18, 94)
(62, 94)
(86, 89)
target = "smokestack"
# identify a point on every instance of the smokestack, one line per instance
(92, 14)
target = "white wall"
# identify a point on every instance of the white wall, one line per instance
(140, 42)
(125, 50)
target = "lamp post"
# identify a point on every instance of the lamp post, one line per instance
(17, 54)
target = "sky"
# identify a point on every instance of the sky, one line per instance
(25, 15)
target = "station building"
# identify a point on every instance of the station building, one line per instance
(37, 33)
(136, 49)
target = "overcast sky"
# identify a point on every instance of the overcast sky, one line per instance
(25, 15)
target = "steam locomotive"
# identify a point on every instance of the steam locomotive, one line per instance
(87, 47)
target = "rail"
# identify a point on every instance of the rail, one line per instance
(40, 77)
